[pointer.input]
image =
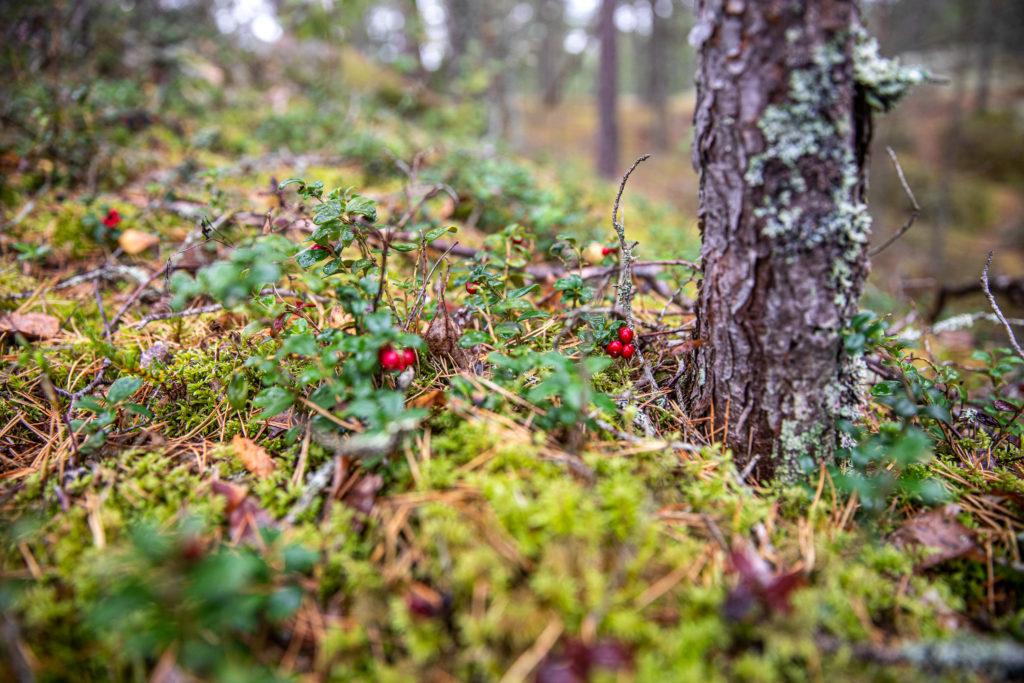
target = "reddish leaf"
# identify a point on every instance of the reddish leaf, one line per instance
(573, 662)
(245, 516)
(363, 494)
(940, 531)
(758, 585)
(424, 601)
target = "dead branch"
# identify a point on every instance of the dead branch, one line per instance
(995, 307)
(915, 208)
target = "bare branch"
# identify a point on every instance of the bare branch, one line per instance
(915, 208)
(995, 307)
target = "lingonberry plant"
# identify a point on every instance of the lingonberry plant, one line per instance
(337, 374)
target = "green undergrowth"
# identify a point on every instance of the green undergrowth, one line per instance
(522, 546)
(268, 501)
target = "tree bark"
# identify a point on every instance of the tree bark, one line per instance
(607, 93)
(781, 136)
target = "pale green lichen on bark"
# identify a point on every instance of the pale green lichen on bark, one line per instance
(800, 128)
(884, 80)
(812, 127)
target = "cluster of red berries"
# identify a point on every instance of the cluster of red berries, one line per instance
(623, 346)
(608, 250)
(396, 361)
(112, 218)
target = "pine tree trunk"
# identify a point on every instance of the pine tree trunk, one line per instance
(658, 75)
(781, 138)
(607, 93)
(552, 52)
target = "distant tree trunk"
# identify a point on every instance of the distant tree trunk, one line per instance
(780, 141)
(411, 32)
(658, 75)
(551, 58)
(607, 93)
(492, 35)
(987, 45)
(459, 16)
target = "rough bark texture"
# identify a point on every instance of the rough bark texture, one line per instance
(607, 93)
(781, 133)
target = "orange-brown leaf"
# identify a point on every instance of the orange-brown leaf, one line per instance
(30, 325)
(435, 397)
(134, 241)
(253, 456)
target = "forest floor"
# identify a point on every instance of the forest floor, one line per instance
(211, 468)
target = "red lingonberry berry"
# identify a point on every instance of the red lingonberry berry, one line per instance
(614, 348)
(409, 357)
(317, 247)
(628, 350)
(390, 360)
(605, 251)
(517, 240)
(112, 219)
(471, 287)
(625, 335)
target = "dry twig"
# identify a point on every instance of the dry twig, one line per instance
(995, 307)
(915, 208)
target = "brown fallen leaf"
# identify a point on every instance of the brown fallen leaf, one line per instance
(30, 325)
(134, 241)
(364, 494)
(431, 399)
(253, 456)
(940, 531)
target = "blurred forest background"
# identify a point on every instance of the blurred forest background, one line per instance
(141, 141)
(527, 77)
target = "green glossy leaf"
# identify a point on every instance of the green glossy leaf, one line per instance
(238, 391)
(300, 345)
(473, 337)
(88, 403)
(434, 233)
(311, 257)
(123, 388)
(273, 400)
(137, 409)
(358, 205)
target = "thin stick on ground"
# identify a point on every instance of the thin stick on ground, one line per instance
(995, 307)
(212, 308)
(915, 208)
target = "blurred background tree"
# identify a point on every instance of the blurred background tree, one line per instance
(79, 76)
